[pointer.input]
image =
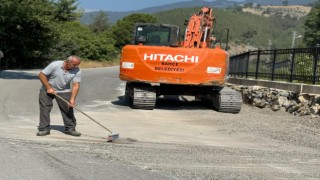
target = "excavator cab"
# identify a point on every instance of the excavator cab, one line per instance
(156, 35)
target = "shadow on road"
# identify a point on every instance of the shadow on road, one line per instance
(57, 128)
(170, 103)
(16, 74)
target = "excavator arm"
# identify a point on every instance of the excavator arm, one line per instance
(198, 30)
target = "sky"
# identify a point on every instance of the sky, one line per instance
(124, 5)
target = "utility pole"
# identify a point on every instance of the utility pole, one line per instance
(294, 37)
(294, 34)
(270, 44)
(269, 48)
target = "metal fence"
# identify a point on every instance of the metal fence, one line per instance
(290, 65)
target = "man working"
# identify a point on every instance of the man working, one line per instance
(57, 78)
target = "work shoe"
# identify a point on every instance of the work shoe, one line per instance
(73, 133)
(43, 133)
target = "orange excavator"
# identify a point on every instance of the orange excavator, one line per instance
(157, 63)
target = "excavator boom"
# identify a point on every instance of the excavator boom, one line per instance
(198, 30)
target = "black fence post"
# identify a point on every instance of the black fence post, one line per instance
(273, 64)
(230, 66)
(233, 63)
(238, 61)
(257, 65)
(315, 64)
(293, 55)
(247, 63)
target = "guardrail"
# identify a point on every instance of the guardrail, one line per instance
(290, 65)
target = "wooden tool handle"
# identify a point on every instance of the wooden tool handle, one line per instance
(84, 113)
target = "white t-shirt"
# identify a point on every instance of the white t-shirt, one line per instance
(60, 79)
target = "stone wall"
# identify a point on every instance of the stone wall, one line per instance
(280, 100)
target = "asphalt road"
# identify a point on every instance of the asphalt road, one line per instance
(180, 139)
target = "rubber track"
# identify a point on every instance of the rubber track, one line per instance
(144, 98)
(227, 100)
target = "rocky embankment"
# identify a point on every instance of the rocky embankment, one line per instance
(280, 100)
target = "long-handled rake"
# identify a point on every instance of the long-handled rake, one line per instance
(111, 137)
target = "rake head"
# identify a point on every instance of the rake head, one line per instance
(112, 137)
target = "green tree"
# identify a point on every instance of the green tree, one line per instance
(312, 27)
(66, 10)
(76, 38)
(29, 29)
(248, 35)
(26, 30)
(100, 23)
(123, 30)
(304, 66)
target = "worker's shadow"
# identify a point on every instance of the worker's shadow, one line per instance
(57, 128)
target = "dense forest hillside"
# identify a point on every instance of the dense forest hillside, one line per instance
(60, 32)
(114, 16)
(280, 2)
(245, 28)
(251, 26)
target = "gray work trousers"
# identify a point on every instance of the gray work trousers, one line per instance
(46, 104)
